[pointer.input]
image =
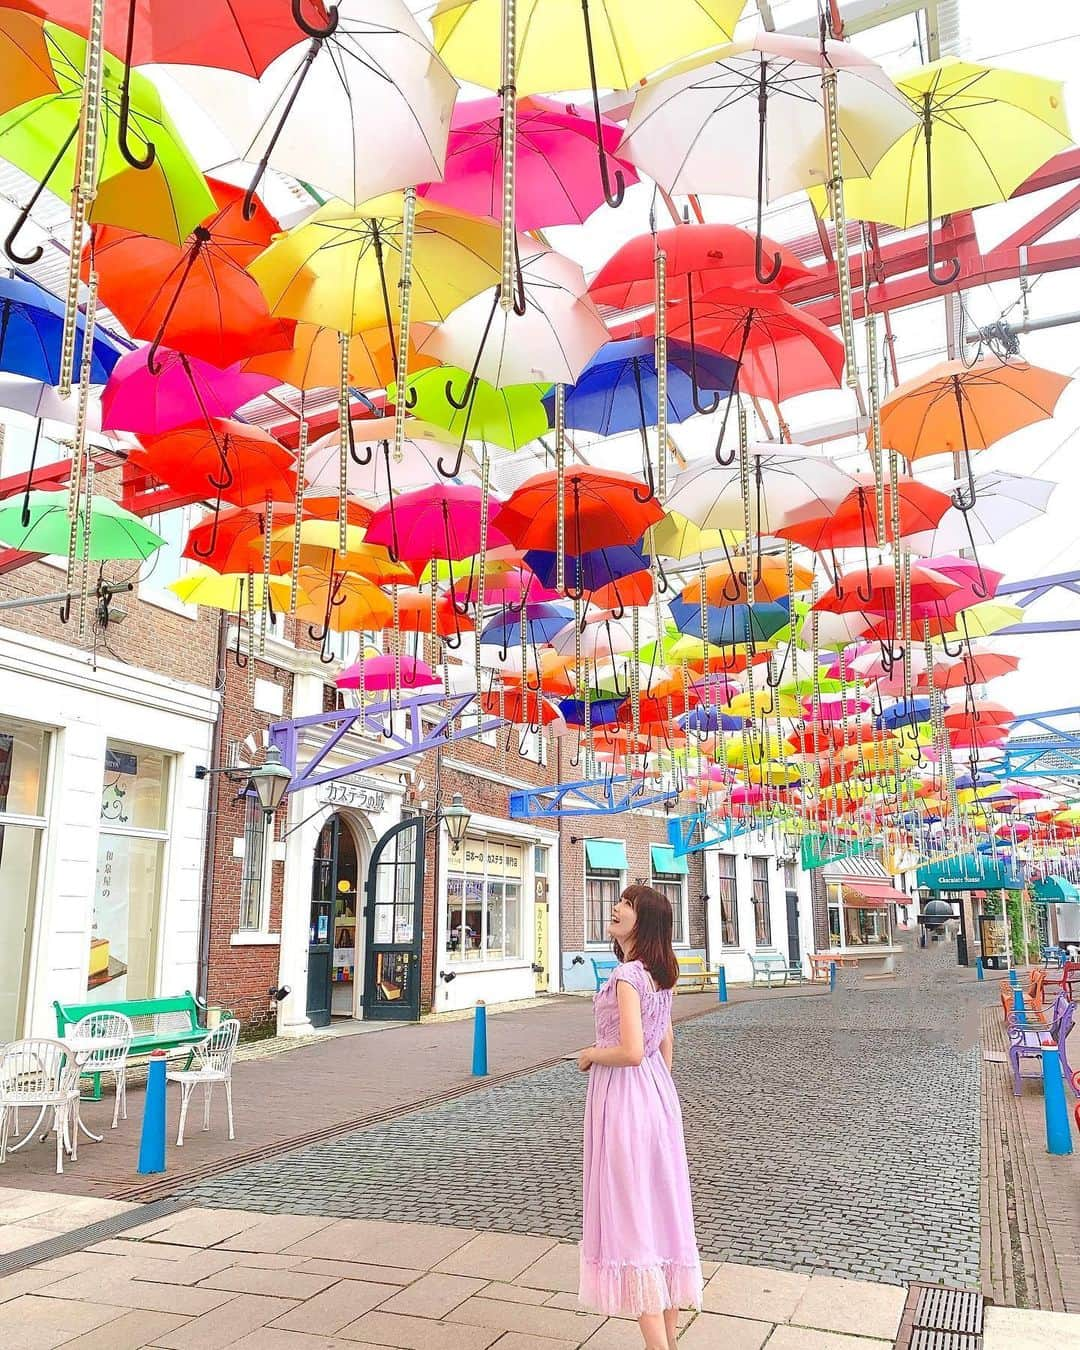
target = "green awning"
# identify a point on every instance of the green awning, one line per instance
(970, 873)
(1056, 890)
(665, 861)
(606, 855)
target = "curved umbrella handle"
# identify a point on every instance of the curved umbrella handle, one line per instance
(865, 596)
(65, 610)
(411, 396)
(354, 454)
(767, 278)
(452, 472)
(311, 29)
(703, 408)
(209, 553)
(953, 266)
(150, 154)
(35, 254)
(452, 398)
(35, 197)
(613, 198)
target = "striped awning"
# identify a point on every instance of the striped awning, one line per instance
(864, 893)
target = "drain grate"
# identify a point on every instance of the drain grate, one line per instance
(65, 1243)
(939, 1318)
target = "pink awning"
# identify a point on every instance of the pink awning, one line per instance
(871, 893)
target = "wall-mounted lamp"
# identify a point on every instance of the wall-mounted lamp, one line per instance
(277, 995)
(456, 817)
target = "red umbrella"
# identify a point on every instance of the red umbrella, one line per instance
(974, 668)
(927, 588)
(982, 712)
(854, 523)
(626, 593)
(241, 35)
(603, 509)
(530, 709)
(241, 463)
(198, 298)
(225, 541)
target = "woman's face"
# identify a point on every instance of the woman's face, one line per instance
(622, 923)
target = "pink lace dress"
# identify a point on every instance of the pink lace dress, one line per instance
(638, 1250)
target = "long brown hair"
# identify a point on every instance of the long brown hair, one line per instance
(652, 935)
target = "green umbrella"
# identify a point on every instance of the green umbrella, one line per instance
(512, 416)
(114, 533)
(166, 200)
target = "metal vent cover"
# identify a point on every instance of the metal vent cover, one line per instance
(937, 1317)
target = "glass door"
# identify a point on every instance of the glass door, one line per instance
(393, 903)
(321, 924)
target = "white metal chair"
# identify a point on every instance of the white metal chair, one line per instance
(115, 1031)
(214, 1057)
(42, 1075)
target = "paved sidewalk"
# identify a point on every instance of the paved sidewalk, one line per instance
(209, 1279)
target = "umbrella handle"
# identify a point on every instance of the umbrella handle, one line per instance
(35, 254)
(311, 29)
(613, 198)
(767, 278)
(452, 398)
(317, 40)
(65, 610)
(150, 154)
(411, 396)
(456, 469)
(956, 652)
(866, 596)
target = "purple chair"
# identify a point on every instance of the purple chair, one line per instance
(1028, 1039)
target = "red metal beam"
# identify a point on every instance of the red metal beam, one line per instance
(288, 433)
(11, 559)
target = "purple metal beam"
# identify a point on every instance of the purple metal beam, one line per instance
(378, 721)
(587, 797)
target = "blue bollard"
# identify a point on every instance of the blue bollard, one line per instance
(832, 977)
(1012, 978)
(721, 985)
(1058, 1133)
(152, 1139)
(479, 1044)
(1018, 1000)
(979, 975)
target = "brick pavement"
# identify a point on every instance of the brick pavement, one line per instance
(836, 1135)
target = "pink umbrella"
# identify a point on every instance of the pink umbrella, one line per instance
(378, 674)
(185, 391)
(505, 588)
(441, 521)
(976, 582)
(557, 175)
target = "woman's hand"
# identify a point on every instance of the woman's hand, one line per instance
(585, 1059)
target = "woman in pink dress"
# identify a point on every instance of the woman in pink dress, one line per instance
(639, 1255)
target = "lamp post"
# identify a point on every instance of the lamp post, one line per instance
(456, 817)
(270, 779)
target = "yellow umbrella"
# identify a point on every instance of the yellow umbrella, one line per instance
(678, 537)
(981, 132)
(981, 620)
(341, 266)
(766, 702)
(319, 550)
(228, 590)
(314, 359)
(345, 604)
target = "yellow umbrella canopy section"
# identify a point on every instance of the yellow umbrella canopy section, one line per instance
(319, 540)
(630, 39)
(229, 590)
(341, 267)
(989, 130)
(346, 604)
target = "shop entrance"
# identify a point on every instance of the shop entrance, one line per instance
(332, 935)
(393, 901)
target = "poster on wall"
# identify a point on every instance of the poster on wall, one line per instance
(109, 955)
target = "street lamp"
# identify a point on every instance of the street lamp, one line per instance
(456, 816)
(270, 780)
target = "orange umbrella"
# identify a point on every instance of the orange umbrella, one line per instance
(314, 359)
(24, 59)
(545, 668)
(725, 584)
(345, 604)
(629, 592)
(414, 615)
(528, 709)
(955, 408)
(239, 462)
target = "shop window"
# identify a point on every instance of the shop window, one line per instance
(484, 901)
(729, 900)
(760, 896)
(253, 880)
(131, 855)
(835, 903)
(605, 873)
(669, 873)
(866, 927)
(24, 761)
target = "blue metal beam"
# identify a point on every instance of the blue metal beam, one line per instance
(682, 829)
(587, 797)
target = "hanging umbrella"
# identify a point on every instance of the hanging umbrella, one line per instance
(367, 83)
(114, 532)
(542, 622)
(373, 471)
(31, 330)
(225, 540)
(340, 267)
(785, 480)
(442, 521)
(196, 297)
(769, 92)
(1003, 502)
(24, 58)
(414, 615)
(229, 591)
(241, 463)
(447, 397)
(927, 588)
(854, 522)
(319, 541)
(39, 400)
(167, 199)
(556, 180)
(974, 667)
(614, 47)
(340, 603)
(180, 391)
(979, 133)
(380, 674)
(731, 624)
(548, 337)
(602, 508)
(629, 592)
(592, 570)
(725, 583)
(312, 360)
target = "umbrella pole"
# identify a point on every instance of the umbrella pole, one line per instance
(343, 442)
(615, 198)
(408, 229)
(470, 384)
(763, 278)
(37, 252)
(695, 388)
(962, 503)
(511, 290)
(305, 70)
(928, 132)
(150, 154)
(733, 396)
(25, 515)
(650, 493)
(836, 202)
(85, 188)
(660, 266)
(301, 466)
(560, 487)
(202, 237)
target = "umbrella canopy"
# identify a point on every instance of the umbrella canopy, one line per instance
(341, 604)
(726, 583)
(242, 463)
(230, 591)
(36, 398)
(1003, 502)
(31, 330)
(441, 521)
(602, 508)
(556, 179)
(445, 396)
(24, 56)
(542, 622)
(731, 624)
(181, 390)
(372, 470)
(114, 532)
(196, 297)
(379, 674)
(551, 341)
(854, 522)
(317, 98)
(312, 358)
(340, 265)
(319, 541)
(591, 571)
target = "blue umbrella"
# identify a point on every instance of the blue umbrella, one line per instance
(617, 389)
(903, 714)
(707, 721)
(588, 571)
(731, 624)
(542, 622)
(603, 712)
(31, 333)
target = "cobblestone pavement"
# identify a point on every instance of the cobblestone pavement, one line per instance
(829, 1135)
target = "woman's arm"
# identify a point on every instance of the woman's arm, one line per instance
(631, 1048)
(667, 1046)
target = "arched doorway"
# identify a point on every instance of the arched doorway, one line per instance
(334, 939)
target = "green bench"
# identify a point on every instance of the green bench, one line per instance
(158, 1023)
(768, 964)
(693, 972)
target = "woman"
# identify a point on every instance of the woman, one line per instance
(639, 1254)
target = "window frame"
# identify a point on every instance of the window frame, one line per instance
(602, 875)
(481, 960)
(760, 899)
(730, 922)
(254, 814)
(660, 881)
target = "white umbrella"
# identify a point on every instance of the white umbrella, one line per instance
(39, 400)
(363, 110)
(551, 341)
(785, 480)
(1003, 502)
(373, 471)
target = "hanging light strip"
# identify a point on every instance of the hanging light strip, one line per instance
(560, 488)
(301, 470)
(481, 579)
(508, 94)
(264, 608)
(343, 442)
(84, 552)
(662, 448)
(408, 232)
